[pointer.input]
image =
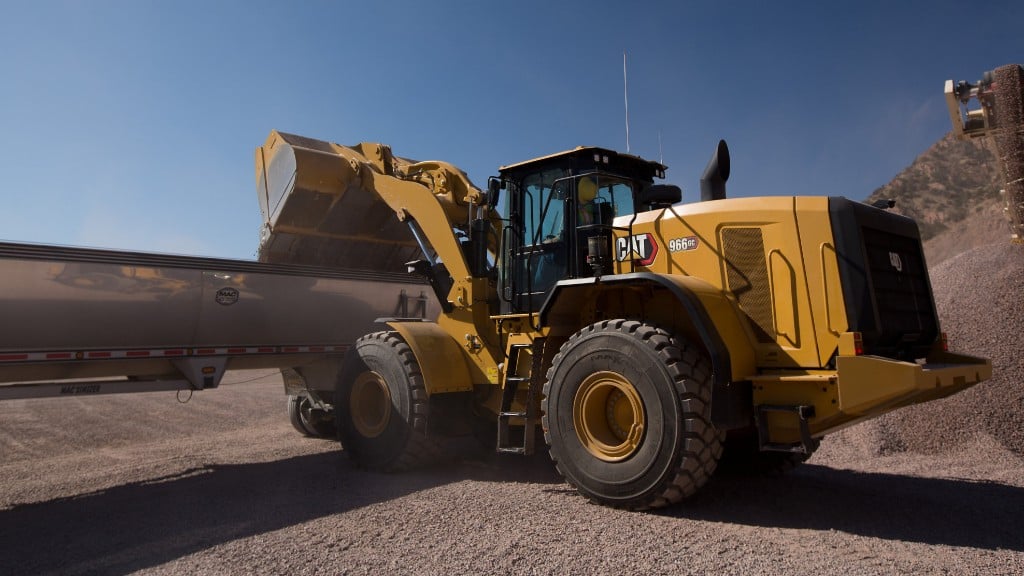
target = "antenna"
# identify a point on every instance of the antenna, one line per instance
(661, 154)
(625, 96)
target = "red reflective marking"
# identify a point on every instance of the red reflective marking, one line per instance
(173, 352)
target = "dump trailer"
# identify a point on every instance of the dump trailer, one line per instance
(81, 321)
(993, 107)
(646, 339)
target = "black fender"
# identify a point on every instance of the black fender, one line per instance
(731, 401)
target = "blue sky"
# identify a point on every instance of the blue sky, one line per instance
(132, 124)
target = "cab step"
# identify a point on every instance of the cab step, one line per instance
(505, 444)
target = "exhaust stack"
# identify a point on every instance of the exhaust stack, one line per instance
(712, 182)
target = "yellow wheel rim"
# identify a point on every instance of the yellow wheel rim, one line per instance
(609, 416)
(370, 402)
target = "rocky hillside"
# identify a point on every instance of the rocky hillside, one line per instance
(952, 190)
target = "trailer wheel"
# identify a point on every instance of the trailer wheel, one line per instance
(309, 420)
(381, 405)
(627, 415)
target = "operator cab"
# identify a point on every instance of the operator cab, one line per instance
(561, 210)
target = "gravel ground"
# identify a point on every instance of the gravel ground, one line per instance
(224, 485)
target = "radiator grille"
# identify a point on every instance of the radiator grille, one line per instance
(886, 288)
(747, 275)
(899, 284)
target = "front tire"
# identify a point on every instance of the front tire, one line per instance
(382, 407)
(627, 415)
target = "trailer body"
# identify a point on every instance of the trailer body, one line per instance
(139, 321)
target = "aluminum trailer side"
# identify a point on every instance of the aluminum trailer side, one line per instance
(87, 321)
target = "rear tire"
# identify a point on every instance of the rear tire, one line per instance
(627, 415)
(381, 405)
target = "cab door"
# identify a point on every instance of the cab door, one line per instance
(536, 244)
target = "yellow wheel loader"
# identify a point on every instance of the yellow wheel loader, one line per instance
(647, 339)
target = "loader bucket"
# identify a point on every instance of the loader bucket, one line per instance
(315, 211)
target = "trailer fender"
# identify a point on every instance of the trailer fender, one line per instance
(714, 320)
(440, 357)
(315, 380)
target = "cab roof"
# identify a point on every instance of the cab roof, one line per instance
(584, 159)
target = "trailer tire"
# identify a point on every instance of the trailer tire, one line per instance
(627, 415)
(381, 406)
(310, 421)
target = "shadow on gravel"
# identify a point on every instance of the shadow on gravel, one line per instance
(949, 512)
(135, 526)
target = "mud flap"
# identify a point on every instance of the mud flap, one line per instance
(732, 405)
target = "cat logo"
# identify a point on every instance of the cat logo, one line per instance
(896, 261)
(641, 247)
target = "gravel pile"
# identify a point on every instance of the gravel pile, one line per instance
(980, 298)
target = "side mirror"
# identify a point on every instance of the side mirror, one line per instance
(494, 186)
(660, 195)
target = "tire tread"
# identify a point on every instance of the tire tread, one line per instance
(702, 445)
(419, 448)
